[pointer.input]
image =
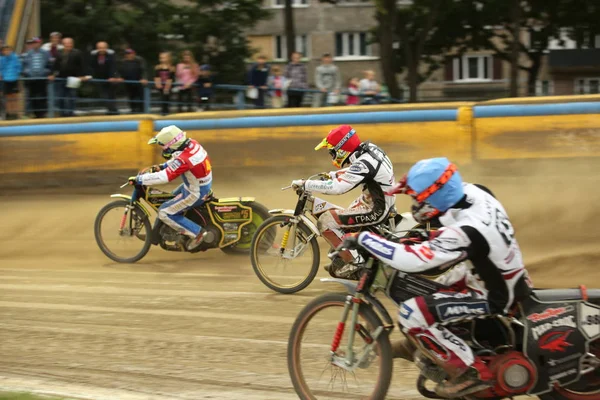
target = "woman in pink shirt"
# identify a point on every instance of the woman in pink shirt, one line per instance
(186, 74)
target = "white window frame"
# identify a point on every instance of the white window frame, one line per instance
(586, 85)
(465, 68)
(539, 86)
(295, 3)
(284, 47)
(345, 48)
(355, 3)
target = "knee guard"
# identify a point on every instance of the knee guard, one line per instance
(327, 222)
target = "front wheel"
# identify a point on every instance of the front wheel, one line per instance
(325, 362)
(259, 214)
(285, 254)
(123, 232)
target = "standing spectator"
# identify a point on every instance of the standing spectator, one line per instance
(163, 80)
(257, 78)
(133, 68)
(296, 73)
(369, 88)
(328, 80)
(28, 105)
(36, 66)
(187, 73)
(352, 98)
(278, 83)
(53, 46)
(205, 87)
(69, 68)
(104, 66)
(10, 70)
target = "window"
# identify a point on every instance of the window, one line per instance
(587, 86)
(352, 45)
(544, 88)
(472, 68)
(295, 3)
(353, 2)
(281, 46)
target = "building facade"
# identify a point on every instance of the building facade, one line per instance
(344, 31)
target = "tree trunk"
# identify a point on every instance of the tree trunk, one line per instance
(386, 15)
(533, 72)
(413, 80)
(290, 31)
(515, 50)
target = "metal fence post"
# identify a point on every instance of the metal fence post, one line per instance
(50, 99)
(241, 101)
(147, 99)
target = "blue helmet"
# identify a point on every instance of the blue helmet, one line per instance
(435, 185)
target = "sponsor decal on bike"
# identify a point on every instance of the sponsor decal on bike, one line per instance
(380, 248)
(589, 320)
(557, 361)
(447, 335)
(555, 341)
(564, 374)
(452, 295)
(225, 208)
(405, 311)
(319, 206)
(549, 313)
(455, 310)
(433, 346)
(539, 330)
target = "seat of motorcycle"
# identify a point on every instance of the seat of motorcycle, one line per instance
(550, 295)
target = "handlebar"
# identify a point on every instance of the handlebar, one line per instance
(321, 176)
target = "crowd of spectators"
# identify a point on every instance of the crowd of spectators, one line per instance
(287, 87)
(186, 83)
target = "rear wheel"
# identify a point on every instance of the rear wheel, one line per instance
(285, 255)
(122, 232)
(242, 246)
(315, 369)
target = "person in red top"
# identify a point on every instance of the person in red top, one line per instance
(188, 160)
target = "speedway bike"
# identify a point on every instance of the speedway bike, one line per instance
(339, 345)
(124, 233)
(285, 253)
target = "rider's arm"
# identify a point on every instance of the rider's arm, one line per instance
(169, 171)
(343, 181)
(447, 249)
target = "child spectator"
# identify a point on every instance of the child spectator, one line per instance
(187, 74)
(369, 88)
(163, 80)
(352, 98)
(277, 82)
(10, 70)
(205, 89)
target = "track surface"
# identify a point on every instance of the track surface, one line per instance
(180, 326)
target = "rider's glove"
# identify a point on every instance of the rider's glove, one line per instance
(298, 183)
(134, 180)
(155, 168)
(324, 176)
(398, 188)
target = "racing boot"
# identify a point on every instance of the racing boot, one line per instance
(197, 241)
(475, 379)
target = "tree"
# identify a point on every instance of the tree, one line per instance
(290, 31)
(517, 28)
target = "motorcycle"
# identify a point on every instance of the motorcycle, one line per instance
(291, 236)
(549, 348)
(229, 224)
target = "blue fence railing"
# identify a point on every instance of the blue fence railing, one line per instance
(69, 97)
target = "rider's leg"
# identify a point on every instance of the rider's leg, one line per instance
(329, 226)
(419, 319)
(196, 241)
(171, 213)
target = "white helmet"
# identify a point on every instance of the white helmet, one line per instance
(169, 138)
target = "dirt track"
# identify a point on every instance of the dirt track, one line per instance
(179, 326)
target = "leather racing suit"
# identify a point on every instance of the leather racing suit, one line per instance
(193, 165)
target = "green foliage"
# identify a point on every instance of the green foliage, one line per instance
(213, 29)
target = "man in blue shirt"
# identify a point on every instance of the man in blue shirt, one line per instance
(257, 78)
(10, 70)
(36, 66)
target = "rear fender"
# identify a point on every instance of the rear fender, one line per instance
(128, 198)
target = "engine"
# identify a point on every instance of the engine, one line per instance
(173, 241)
(514, 375)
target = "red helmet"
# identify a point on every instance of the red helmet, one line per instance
(341, 142)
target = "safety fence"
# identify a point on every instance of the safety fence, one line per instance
(65, 97)
(506, 129)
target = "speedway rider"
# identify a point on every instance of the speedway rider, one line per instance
(475, 228)
(188, 159)
(362, 163)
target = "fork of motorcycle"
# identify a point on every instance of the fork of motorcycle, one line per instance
(124, 219)
(339, 332)
(288, 252)
(352, 333)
